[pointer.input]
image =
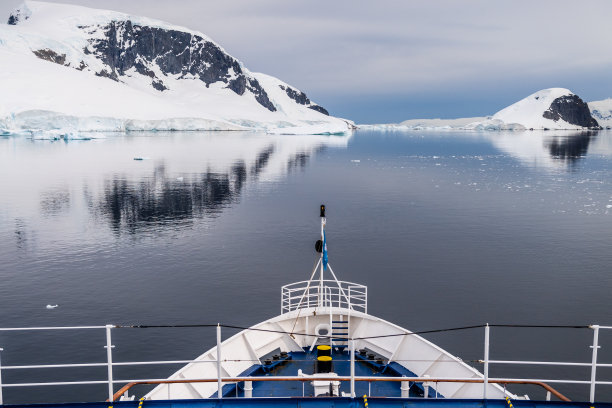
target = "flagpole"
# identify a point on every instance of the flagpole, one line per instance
(321, 295)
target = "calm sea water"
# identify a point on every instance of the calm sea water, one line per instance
(446, 229)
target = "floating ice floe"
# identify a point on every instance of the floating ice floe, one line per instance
(52, 306)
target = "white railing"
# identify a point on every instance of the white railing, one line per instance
(326, 293)
(485, 380)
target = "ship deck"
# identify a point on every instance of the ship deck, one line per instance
(305, 361)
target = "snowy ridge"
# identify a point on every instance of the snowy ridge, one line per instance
(536, 111)
(602, 112)
(70, 68)
(554, 108)
(427, 124)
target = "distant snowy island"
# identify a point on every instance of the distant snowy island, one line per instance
(70, 69)
(548, 109)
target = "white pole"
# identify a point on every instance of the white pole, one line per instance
(486, 362)
(595, 346)
(109, 361)
(1, 399)
(352, 368)
(248, 389)
(321, 274)
(307, 331)
(219, 382)
(349, 298)
(405, 388)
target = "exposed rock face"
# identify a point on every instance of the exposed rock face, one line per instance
(50, 55)
(18, 15)
(124, 46)
(571, 109)
(302, 99)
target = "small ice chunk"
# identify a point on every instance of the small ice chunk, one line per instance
(52, 306)
(609, 206)
(355, 161)
(180, 178)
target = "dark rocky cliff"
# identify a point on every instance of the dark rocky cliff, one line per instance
(573, 110)
(124, 46)
(302, 99)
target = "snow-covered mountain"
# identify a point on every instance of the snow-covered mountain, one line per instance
(602, 112)
(554, 108)
(67, 67)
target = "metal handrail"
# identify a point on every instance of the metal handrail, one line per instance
(436, 380)
(328, 292)
(110, 381)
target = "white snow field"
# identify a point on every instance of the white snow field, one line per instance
(522, 115)
(602, 112)
(528, 112)
(63, 97)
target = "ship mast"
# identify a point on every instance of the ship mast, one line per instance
(323, 260)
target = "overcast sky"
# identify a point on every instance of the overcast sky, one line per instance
(386, 61)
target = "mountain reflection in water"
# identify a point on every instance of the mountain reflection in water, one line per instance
(132, 205)
(545, 149)
(570, 148)
(211, 225)
(163, 199)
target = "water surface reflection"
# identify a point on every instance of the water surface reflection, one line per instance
(446, 229)
(546, 149)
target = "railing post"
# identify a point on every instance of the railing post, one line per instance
(405, 388)
(248, 389)
(219, 382)
(595, 346)
(109, 361)
(486, 362)
(349, 297)
(1, 399)
(352, 350)
(426, 385)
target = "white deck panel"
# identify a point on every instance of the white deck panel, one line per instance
(413, 352)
